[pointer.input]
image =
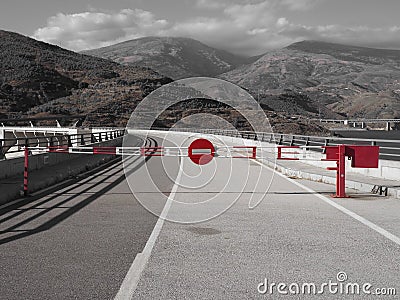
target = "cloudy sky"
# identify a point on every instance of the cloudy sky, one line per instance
(247, 27)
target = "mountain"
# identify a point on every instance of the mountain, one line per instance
(173, 57)
(39, 79)
(324, 79)
(348, 53)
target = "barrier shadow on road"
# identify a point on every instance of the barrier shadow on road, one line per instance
(76, 183)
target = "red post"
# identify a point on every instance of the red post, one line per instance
(341, 173)
(26, 170)
(279, 152)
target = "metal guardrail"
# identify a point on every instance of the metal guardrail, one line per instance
(15, 145)
(389, 149)
(357, 120)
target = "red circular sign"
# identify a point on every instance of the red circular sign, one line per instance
(201, 151)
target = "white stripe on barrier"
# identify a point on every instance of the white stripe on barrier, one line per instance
(251, 152)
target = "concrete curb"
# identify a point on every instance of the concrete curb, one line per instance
(356, 185)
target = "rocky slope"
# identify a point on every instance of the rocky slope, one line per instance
(173, 57)
(39, 79)
(331, 80)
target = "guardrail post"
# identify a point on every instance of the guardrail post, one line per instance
(2, 152)
(82, 140)
(69, 141)
(26, 170)
(326, 143)
(100, 138)
(92, 138)
(262, 137)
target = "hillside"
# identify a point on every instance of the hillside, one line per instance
(176, 58)
(311, 77)
(39, 79)
(303, 80)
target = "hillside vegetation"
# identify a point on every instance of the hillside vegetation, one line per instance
(39, 79)
(310, 78)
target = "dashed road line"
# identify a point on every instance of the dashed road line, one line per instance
(132, 278)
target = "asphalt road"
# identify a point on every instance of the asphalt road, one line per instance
(296, 235)
(79, 241)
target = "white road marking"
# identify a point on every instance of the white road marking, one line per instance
(348, 212)
(132, 278)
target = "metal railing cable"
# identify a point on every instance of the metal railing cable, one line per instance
(389, 149)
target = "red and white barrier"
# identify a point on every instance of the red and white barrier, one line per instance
(202, 151)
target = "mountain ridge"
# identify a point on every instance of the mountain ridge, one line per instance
(175, 57)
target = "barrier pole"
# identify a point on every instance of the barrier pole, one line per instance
(26, 170)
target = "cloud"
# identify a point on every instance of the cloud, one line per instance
(282, 22)
(357, 35)
(210, 4)
(250, 15)
(221, 4)
(300, 4)
(244, 27)
(96, 29)
(248, 27)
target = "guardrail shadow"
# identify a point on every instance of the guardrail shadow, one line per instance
(70, 211)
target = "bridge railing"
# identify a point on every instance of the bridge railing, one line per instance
(18, 144)
(389, 149)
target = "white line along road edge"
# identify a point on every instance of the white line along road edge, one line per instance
(132, 278)
(348, 212)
